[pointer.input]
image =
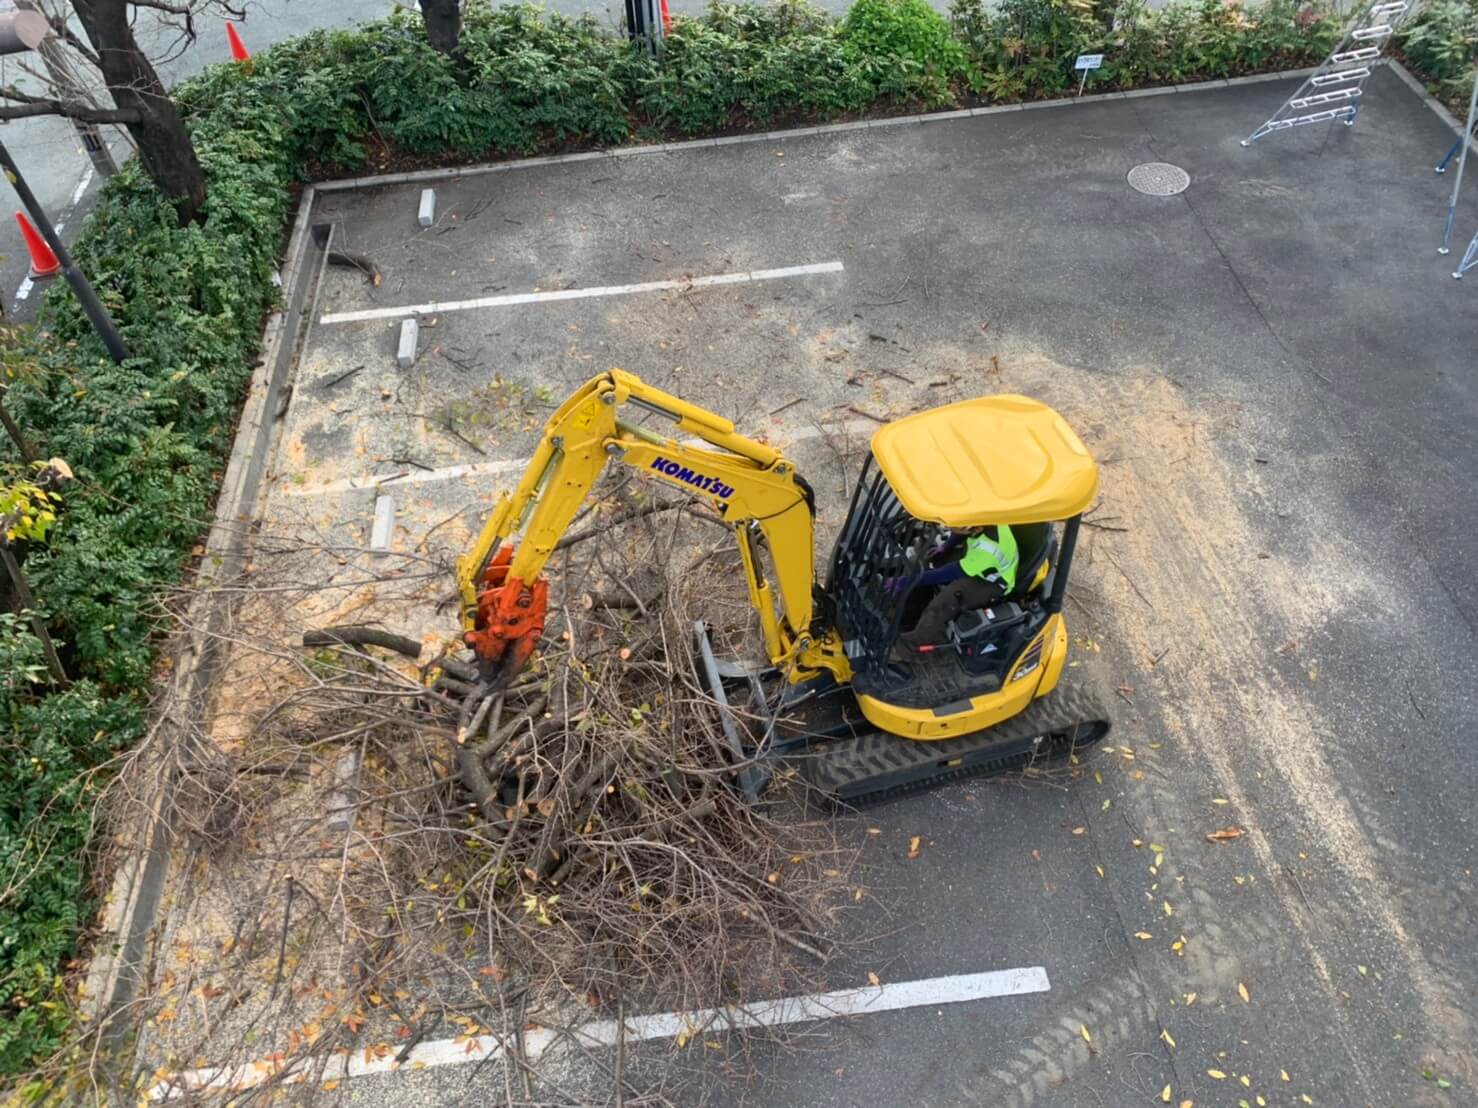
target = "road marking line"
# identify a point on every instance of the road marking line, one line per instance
(927, 993)
(507, 465)
(511, 299)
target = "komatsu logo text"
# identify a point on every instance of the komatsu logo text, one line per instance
(689, 477)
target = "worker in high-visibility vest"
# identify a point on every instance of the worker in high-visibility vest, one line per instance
(985, 573)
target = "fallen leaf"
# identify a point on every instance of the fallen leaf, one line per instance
(1106, 804)
(913, 847)
(1284, 1075)
(1226, 834)
(1080, 830)
(165, 1015)
(1216, 1075)
(210, 992)
(1306, 1098)
(1247, 1081)
(1242, 992)
(1361, 969)
(872, 979)
(1100, 870)
(682, 1038)
(1219, 800)
(1187, 1104)
(874, 830)
(330, 1086)
(1169, 911)
(1190, 998)
(856, 894)
(1143, 935)
(1165, 1094)
(1169, 1041)
(1087, 1038)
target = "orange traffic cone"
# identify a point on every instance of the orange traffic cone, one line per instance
(43, 261)
(239, 52)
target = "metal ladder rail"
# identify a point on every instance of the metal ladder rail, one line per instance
(1334, 89)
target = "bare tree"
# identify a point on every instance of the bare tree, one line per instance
(140, 101)
(443, 23)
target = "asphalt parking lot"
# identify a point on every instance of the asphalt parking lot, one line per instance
(1274, 371)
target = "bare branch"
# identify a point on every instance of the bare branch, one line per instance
(35, 106)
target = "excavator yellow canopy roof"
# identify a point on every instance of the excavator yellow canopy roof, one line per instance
(993, 459)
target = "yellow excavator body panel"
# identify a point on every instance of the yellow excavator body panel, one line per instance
(947, 721)
(988, 460)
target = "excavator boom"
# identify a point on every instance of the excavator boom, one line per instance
(752, 487)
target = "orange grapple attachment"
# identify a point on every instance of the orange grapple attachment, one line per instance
(509, 621)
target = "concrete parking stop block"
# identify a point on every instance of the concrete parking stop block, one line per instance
(405, 352)
(427, 214)
(384, 526)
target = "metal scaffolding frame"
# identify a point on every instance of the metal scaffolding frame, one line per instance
(1470, 255)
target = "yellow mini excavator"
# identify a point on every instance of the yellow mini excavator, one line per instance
(875, 712)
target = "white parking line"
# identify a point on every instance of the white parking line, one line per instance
(583, 294)
(927, 993)
(508, 465)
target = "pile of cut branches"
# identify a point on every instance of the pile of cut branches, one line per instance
(386, 852)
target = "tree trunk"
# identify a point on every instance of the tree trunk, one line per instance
(164, 144)
(443, 23)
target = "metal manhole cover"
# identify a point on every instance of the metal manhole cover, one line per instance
(1159, 179)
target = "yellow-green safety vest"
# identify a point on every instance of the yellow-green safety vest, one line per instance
(984, 555)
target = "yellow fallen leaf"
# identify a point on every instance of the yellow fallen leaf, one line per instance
(1245, 1080)
(330, 1086)
(1087, 1038)
(1216, 1075)
(872, 979)
(1136, 843)
(1261, 1103)
(1080, 830)
(857, 894)
(1143, 935)
(1306, 1098)
(682, 1038)
(1242, 992)
(1187, 1104)
(1098, 777)
(1106, 804)
(1159, 859)
(1219, 800)
(1190, 998)
(1165, 1094)
(1284, 1075)
(913, 847)
(1169, 911)
(1100, 870)
(1169, 1041)
(874, 830)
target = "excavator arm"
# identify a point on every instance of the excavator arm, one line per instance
(753, 487)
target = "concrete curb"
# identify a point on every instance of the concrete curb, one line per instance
(132, 904)
(777, 136)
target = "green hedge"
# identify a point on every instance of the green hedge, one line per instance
(147, 440)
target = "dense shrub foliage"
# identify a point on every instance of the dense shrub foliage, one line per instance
(147, 440)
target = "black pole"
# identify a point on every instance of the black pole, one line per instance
(102, 323)
(1064, 564)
